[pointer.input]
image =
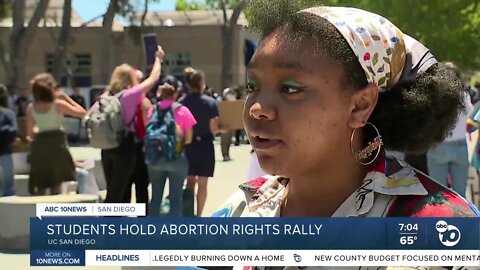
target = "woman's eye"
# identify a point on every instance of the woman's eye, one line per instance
(288, 89)
(251, 87)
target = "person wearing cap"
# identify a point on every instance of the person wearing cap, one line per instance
(175, 170)
(171, 80)
(329, 90)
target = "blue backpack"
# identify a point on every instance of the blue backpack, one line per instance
(162, 136)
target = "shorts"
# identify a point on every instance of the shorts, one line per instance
(201, 158)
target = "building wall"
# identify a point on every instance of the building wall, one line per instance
(202, 42)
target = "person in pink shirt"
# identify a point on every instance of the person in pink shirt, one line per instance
(140, 172)
(118, 163)
(176, 170)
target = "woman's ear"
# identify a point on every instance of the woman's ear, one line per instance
(362, 104)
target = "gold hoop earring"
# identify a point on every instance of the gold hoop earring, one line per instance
(376, 144)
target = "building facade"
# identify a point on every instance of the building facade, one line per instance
(189, 39)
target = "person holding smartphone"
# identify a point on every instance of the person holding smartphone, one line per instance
(118, 163)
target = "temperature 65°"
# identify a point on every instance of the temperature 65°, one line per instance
(408, 240)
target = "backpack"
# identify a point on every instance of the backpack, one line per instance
(8, 131)
(162, 136)
(104, 124)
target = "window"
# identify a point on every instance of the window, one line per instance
(175, 63)
(80, 66)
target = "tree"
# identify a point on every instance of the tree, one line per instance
(126, 9)
(185, 5)
(3, 9)
(21, 37)
(108, 18)
(450, 29)
(59, 61)
(229, 29)
(135, 12)
(144, 14)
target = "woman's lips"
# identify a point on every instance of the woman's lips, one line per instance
(263, 143)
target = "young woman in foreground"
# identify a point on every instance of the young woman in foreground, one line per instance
(330, 89)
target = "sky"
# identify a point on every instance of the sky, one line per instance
(89, 9)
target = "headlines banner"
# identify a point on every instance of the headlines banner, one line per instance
(255, 241)
(256, 258)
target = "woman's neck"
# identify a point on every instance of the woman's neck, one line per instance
(322, 192)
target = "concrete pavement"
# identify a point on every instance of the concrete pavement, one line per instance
(228, 175)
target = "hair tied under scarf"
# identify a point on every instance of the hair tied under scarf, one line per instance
(418, 60)
(387, 56)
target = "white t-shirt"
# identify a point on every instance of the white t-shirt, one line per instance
(459, 132)
(254, 170)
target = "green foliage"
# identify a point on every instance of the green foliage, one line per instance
(130, 9)
(450, 29)
(283, 10)
(204, 5)
(215, 4)
(4, 9)
(184, 5)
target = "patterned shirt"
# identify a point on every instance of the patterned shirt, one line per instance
(391, 188)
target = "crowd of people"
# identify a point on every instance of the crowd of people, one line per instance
(319, 118)
(145, 105)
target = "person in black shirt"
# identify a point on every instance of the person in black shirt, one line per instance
(21, 103)
(200, 153)
(77, 97)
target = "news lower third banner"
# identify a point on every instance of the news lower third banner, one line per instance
(146, 241)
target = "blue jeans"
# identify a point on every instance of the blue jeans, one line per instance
(176, 171)
(6, 175)
(450, 158)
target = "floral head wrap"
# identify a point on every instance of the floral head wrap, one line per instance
(387, 55)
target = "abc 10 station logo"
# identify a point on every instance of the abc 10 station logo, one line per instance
(449, 235)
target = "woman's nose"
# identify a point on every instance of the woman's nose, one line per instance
(262, 110)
